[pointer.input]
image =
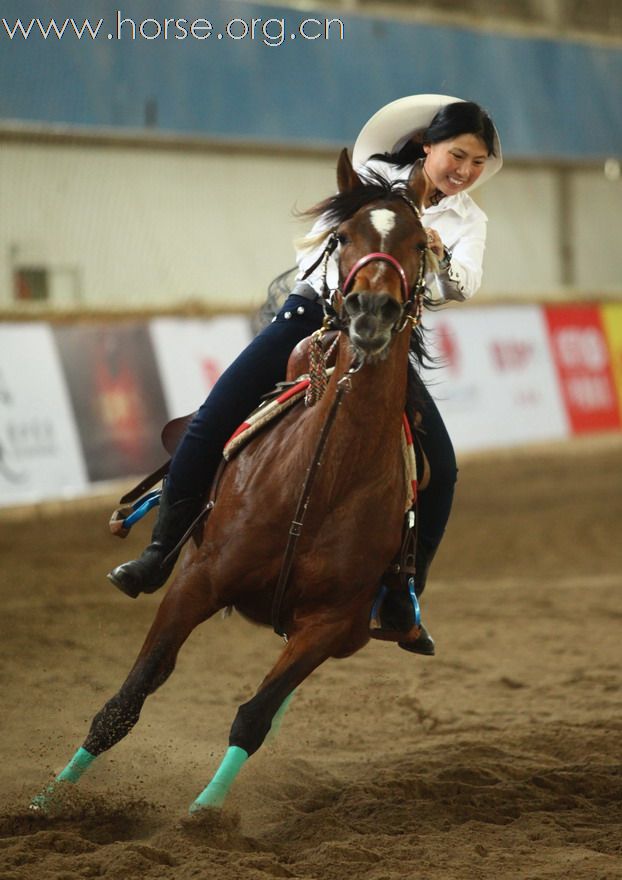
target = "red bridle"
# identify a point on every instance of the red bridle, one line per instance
(384, 258)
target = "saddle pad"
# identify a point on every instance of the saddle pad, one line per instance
(271, 409)
(264, 414)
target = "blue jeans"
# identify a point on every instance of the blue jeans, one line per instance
(236, 394)
(254, 373)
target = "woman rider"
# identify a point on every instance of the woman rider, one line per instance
(460, 149)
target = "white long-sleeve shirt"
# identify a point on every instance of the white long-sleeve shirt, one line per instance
(461, 225)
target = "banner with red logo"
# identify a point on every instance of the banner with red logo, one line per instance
(192, 353)
(40, 454)
(581, 357)
(497, 385)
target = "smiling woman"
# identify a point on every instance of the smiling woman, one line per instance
(455, 164)
(460, 149)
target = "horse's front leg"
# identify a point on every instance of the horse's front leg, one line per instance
(312, 643)
(185, 605)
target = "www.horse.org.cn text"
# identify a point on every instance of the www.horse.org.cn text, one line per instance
(269, 31)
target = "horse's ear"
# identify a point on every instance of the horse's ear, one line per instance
(418, 183)
(347, 178)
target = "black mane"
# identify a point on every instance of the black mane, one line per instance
(374, 187)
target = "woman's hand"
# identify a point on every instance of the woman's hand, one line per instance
(435, 244)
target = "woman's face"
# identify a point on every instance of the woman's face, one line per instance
(454, 165)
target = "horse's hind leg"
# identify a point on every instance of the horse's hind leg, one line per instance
(182, 609)
(304, 652)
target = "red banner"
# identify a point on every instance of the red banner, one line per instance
(116, 395)
(581, 357)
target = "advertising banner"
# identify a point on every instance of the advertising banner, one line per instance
(611, 316)
(116, 395)
(496, 385)
(40, 455)
(191, 355)
(581, 358)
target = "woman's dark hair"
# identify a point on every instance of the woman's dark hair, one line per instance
(452, 120)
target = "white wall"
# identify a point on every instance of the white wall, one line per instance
(596, 219)
(149, 228)
(522, 256)
(124, 226)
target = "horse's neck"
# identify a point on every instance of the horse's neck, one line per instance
(378, 391)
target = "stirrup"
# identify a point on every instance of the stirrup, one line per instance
(397, 624)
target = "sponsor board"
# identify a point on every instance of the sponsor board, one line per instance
(611, 316)
(116, 396)
(495, 385)
(84, 403)
(581, 357)
(191, 355)
(40, 455)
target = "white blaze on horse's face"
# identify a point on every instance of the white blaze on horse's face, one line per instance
(383, 221)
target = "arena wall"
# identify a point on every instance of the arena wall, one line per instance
(507, 376)
(299, 76)
(146, 168)
(116, 226)
(123, 227)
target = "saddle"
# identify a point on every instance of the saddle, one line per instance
(274, 404)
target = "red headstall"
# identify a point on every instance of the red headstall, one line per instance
(370, 258)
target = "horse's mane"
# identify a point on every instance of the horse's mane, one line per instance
(373, 187)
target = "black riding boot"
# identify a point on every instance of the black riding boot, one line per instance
(424, 643)
(148, 573)
(399, 612)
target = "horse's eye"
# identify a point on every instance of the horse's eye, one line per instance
(342, 238)
(422, 246)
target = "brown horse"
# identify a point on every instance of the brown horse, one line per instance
(355, 512)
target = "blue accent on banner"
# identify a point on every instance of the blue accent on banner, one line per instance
(550, 98)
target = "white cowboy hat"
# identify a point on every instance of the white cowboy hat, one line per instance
(395, 123)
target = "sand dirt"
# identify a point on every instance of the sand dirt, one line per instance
(499, 758)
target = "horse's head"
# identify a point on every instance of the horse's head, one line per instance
(381, 255)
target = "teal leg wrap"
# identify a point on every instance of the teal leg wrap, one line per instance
(80, 762)
(218, 789)
(278, 717)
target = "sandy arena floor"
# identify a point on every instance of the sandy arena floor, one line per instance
(499, 758)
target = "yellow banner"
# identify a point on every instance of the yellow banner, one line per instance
(612, 324)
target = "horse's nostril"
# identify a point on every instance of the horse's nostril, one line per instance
(380, 305)
(352, 304)
(390, 310)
